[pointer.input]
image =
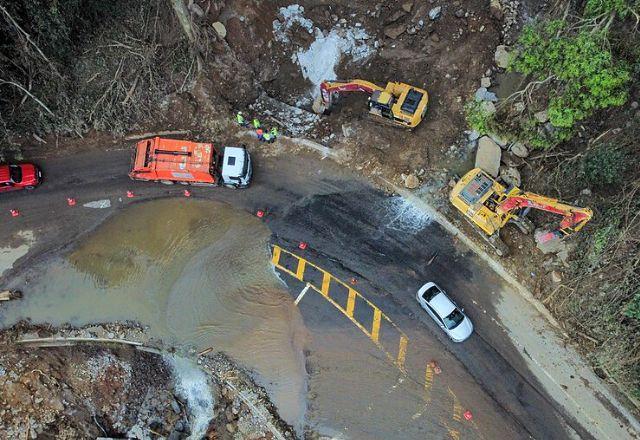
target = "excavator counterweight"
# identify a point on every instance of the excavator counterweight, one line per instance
(398, 103)
(489, 206)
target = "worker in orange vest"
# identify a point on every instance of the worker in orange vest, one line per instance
(260, 134)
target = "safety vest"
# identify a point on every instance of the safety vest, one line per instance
(256, 123)
(267, 137)
(240, 118)
(274, 132)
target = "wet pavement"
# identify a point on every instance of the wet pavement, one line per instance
(198, 273)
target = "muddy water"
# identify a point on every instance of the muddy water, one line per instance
(197, 273)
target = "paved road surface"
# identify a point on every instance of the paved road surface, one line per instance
(380, 247)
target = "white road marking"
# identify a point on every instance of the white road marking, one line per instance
(302, 292)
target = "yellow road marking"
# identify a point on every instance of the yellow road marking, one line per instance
(402, 351)
(375, 327)
(428, 382)
(326, 279)
(300, 272)
(351, 303)
(276, 256)
(457, 408)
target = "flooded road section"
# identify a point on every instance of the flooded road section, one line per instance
(198, 273)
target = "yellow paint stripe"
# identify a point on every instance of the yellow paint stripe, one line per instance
(428, 382)
(375, 327)
(457, 408)
(402, 351)
(326, 279)
(276, 255)
(351, 303)
(300, 271)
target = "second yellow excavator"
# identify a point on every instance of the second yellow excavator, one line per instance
(398, 103)
(489, 206)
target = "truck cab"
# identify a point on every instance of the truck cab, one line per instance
(236, 170)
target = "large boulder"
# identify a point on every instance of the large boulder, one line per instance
(510, 175)
(488, 156)
(502, 56)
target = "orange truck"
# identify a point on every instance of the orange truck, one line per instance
(193, 163)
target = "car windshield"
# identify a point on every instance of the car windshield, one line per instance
(430, 293)
(454, 319)
(16, 174)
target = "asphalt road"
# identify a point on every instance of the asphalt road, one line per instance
(354, 232)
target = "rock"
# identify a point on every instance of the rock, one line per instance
(634, 105)
(498, 140)
(485, 82)
(496, 9)
(394, 31)
(411, 181)
(556, 277)
(175, 435)
(196, 9)
(488, 156)
(459, 13)
(482, 94)
(230, 428)
(519, 149)
(175, 407)
(502, 56)
(435, 13)
(412, 30)
(541, 116)
(510, 159)
(220, 29)
(586, 192)
(473, 135)
(510, 175)
(407, 6)
(435, 37)
(488, 107)
(395, 16)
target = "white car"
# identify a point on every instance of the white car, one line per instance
(444, 312)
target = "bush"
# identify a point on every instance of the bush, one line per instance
(594, 8)
(633, 307)
(604, 165)
(585, 77)
(478, 117)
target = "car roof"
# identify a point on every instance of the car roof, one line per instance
(442, 305)
(236, 165)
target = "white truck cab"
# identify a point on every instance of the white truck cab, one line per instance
(236, 167)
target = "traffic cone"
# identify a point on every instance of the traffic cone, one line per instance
(436, 367)
(467, 415)
(302, 245)
(260, 213)
(14, 212)
(71, 201)
(187, 193)
(130, 195)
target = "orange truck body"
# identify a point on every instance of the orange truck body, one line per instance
(173, 160)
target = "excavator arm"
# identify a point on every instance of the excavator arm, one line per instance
(573, 220)
(328, 88)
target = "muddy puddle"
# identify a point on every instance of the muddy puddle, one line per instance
(198, 273)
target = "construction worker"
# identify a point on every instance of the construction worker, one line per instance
(260, 134)
(267, 137)
(274, 133)
(256, 123)
(240, 119)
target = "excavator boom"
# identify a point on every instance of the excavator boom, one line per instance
(574, 218)
(398, 103)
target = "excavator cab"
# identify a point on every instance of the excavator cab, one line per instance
(381, 103)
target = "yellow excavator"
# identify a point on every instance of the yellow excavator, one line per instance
(489, 206)
(400, 104)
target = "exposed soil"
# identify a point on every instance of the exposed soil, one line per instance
(109, 389)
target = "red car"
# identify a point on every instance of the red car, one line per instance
(21, 176)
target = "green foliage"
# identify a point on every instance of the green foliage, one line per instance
(604, 166)
(633, 307)
(594, 8)
(478, 117)
(585, 76)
